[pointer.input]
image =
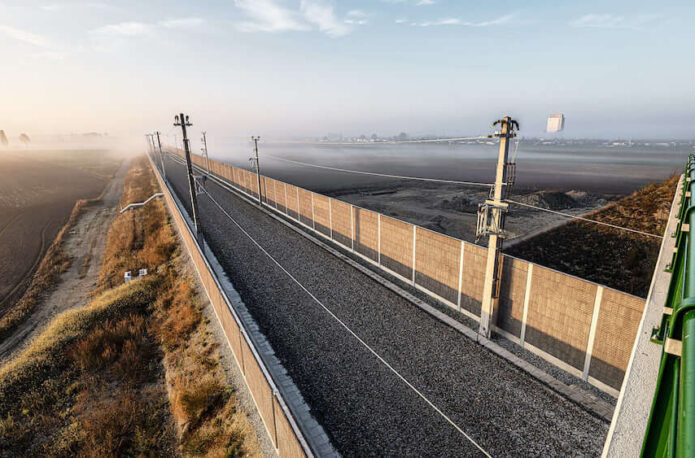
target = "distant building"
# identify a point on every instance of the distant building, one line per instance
(556, 123)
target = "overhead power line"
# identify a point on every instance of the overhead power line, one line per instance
(567, 215)
(360, 172)
(392, 142)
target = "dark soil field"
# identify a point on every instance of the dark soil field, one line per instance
(615, 258)
(38, 190)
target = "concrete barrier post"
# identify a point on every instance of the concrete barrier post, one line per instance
(527, 299)
(458, 302)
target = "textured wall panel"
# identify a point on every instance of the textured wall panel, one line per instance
(340, 216)
(281, 195)
(305, 210)
(437, 259)
(559, 315)
(268, 191)
(510, 309)
(218, 168)
(253, 182)
(618, 321)
(292, 202)
(366, 230)
(234, 172)
(397, 246)
(288, 446)
(474, 263)
(260, 389)
(321, 214)
(243, 182)
(250, 181)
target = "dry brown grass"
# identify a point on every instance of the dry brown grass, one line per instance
(139, 238)
(71, 392)
(181, 317)
(134, 373)
(202, 404)
(644, 210)
(122, 347)
(123, 423)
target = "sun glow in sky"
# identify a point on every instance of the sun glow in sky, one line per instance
(309, 67)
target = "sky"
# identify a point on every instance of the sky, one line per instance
(292, 68)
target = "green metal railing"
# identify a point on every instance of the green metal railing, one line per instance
(671, 427)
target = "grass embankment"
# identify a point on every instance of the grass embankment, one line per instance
(616, 258)
(136, 371)
(54, 263)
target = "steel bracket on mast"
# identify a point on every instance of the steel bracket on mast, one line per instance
(487, 221)
(199, 181)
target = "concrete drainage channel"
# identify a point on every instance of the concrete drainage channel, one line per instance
(587, 401)
(312, 437)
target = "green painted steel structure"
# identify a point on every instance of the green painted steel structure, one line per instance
(671, 428)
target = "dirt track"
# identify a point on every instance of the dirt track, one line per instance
(36, 198)
(85, 245)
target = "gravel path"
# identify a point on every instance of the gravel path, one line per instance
(362, 404)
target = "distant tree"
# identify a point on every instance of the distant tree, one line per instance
(24, 138)
(3, 138)
(402, 136)
(363, 138)
(374, 137)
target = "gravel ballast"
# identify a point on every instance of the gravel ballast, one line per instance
(365, 408)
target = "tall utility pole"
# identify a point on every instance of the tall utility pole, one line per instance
(181, 120)
(205, 150)
(149, 142)
(152, 145)
(495, 227)
(258, 168)
(161, 155)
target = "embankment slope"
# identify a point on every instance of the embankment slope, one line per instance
(616, 258)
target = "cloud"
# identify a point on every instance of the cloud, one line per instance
(125, 29)
(25, 37)
(136, 29)
(182, 23)
(268, 16)
(320, 13)
(357, 17)
(411, 2)
(46, 49)
(459, 22)
(612, 21)
(271, 16)
(64, 5)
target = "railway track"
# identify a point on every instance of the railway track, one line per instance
(381, 376)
